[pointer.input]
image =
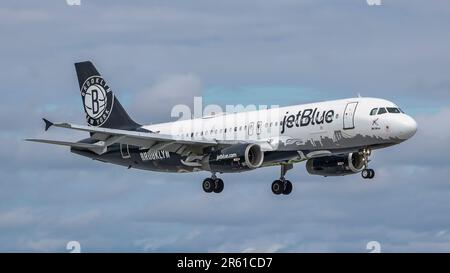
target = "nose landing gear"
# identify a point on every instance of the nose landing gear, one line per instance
(367, 173)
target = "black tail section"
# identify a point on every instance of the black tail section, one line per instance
(100, 105)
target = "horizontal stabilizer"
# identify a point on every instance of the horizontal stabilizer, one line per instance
(66, 143)
(48, 123)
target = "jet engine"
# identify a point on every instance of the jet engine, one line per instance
(336, 165)
(236, 158)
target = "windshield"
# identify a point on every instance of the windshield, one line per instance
(393, 110)
(384, 110)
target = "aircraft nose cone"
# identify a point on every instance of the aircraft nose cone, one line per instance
(408, 127)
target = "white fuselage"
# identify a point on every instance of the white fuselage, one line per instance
(331, 125)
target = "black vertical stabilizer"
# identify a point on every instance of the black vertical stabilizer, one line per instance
(102, 108)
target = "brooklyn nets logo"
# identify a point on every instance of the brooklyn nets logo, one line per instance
(98, 100)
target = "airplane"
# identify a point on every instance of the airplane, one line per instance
(335, 138)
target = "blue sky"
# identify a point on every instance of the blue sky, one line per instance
(156, 54)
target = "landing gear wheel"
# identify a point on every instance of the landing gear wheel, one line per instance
(287, 187)
(277, 187)
(218, 185)
(283, 186)
(365, 173)
(208, 185)
(368, 173)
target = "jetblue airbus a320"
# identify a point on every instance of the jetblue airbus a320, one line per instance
(333, 137)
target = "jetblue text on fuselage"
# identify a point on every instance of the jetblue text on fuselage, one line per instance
(307, 117)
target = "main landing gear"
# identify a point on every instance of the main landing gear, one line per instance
(367, 173)
(213, 184)
(282, 186)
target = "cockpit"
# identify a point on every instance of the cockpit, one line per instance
(384, 110)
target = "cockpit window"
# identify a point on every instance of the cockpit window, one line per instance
(384, 110)
(393, 110)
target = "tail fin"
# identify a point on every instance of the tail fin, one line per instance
(102, 108)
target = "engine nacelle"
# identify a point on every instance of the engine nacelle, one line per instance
(336, 165)
(236, 158)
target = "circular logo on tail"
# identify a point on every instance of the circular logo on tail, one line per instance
(98, 100)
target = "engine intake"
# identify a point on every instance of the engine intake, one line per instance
(336, 165)
(236, 158)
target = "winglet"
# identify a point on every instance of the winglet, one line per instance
(48, 123)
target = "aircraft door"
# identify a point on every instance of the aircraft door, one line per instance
(250, 128)
(258, 127)
(349, 115)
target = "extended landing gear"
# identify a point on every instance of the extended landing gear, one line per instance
(282, 186)
(213, 184)
(367, 173)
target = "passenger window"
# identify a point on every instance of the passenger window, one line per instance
(393, 110)
(382, 111)
(374, 111)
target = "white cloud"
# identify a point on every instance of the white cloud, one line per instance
(15, 218)
(155, 103)
(44, 245)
